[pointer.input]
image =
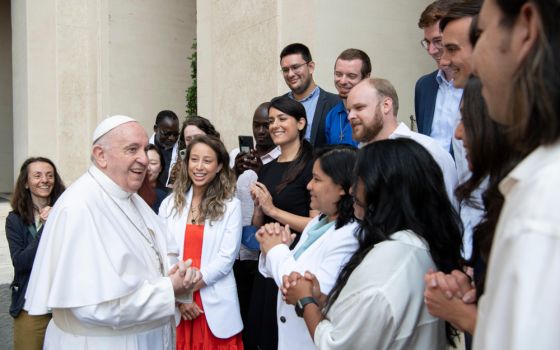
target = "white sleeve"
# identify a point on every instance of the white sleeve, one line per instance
(361, 321)
(277, 263)
(152, 301)
(222, 262)
(520, 308)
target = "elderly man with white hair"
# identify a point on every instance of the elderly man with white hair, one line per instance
(101, 266)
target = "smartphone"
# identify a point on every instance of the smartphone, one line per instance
(245, 143)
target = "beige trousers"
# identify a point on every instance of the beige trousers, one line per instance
(29, 331)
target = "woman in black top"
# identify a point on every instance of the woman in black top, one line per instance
(37, 188)
(280, 196)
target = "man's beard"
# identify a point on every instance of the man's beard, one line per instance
(301, 89)
(371, 131)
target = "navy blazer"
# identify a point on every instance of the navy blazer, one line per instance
(425, 94)
(23, 248)
(326, 101)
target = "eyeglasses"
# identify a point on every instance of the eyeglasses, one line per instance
(437, 42)
(293, 67)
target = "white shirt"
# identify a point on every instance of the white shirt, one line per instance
(324, 258)
(100, 271)
(243, 193)
(448, 99)
(521, 308)
(471, 214)
(382, 304)
(442, 157)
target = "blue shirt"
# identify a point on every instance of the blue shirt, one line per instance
(337, 127)
(310, 105)
(445, 120)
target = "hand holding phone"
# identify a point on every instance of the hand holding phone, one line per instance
(245, 144)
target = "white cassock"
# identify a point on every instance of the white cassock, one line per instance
(100, 267)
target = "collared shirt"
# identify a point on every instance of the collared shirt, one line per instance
(443, 158)
(519, 309)
(337, 127)
(243, 193)
(310, 105)
(385, 292)
(266, 158)
(446, 109)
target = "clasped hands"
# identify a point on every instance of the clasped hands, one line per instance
(44, 213)
(451, 297)
(296, 286)
(273, 234)
(184, 277)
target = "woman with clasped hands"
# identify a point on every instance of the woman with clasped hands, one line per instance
(37, 188)
(205, 218)
(325, 245)
(408, 225)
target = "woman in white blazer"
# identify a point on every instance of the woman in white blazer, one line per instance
(325, 244)
(204, 217)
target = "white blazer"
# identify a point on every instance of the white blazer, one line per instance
(220, 248)
(324, 258)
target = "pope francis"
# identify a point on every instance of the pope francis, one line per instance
(101, 267)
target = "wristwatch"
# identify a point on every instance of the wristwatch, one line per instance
(300, 305)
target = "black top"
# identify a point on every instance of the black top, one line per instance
(261, 329)
(294, 198)
(162, 178)
(23, 248)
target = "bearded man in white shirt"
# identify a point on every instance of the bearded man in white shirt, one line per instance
(102, 264)
(516, 59)
(373, 105)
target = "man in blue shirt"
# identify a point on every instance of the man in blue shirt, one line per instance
(351, 67)
(436, 100)
(297, 67)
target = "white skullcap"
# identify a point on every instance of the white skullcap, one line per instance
(109, 124)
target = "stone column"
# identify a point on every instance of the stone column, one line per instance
(77, 61)
(240, 43)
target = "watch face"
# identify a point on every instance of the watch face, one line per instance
(299, 309)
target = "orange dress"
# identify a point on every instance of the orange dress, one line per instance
(196, 335)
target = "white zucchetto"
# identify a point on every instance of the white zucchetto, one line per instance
(109, 124)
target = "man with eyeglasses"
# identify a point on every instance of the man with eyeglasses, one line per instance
(436, 100)
(297, 67)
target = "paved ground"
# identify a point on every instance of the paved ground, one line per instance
(6, 274)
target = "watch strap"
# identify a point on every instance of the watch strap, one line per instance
(300, 305)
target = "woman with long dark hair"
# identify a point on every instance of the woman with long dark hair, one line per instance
(280, 196)
(205, 219)
(408, 226)
(37, 188)
(326, 242)
(490, 158)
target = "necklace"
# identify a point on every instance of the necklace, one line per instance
(195, 214)
(341, 135)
